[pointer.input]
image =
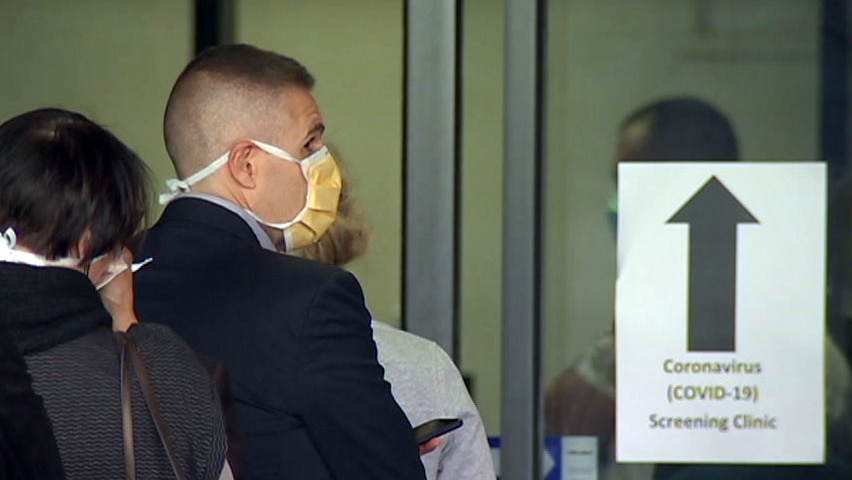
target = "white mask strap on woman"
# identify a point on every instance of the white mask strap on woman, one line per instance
(8, 253)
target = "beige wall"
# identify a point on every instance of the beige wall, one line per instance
(355, 50)
(114, 61)
(482, 200)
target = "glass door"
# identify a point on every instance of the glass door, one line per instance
(645, 98)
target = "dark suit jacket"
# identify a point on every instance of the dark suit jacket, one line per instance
(222, 383)
(311, 399)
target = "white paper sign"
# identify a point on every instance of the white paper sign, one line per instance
(720, 320)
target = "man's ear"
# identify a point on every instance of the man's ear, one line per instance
(242, 164)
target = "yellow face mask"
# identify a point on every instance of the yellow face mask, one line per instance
(323, 181)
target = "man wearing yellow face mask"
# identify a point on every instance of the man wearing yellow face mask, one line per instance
(245, 135)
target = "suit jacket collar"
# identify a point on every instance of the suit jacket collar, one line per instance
(207, 214)
(256, 227)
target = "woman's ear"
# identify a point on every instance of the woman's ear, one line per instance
(242, 164)
(83, 246)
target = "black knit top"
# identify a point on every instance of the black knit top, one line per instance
(61, 327)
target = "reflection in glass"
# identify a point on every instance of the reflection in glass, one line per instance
(656, 80)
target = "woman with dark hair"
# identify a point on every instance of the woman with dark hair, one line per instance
(71, 197)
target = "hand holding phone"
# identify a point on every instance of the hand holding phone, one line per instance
(435, 428)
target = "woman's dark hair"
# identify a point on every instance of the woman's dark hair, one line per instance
(63, 176)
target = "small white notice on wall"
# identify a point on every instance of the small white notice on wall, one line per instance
(579, 458)
(720, 319)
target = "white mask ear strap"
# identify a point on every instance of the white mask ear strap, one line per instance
(207, 171)
(8, 253)
(9, 238)
(177, 186)
(314, 158)
(273, 150)
(305, 162)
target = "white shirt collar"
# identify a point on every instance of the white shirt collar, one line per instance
(259, 232)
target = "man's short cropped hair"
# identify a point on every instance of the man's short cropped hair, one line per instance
(226, 90)
(682, 128)
(61, 176)
(247, 63)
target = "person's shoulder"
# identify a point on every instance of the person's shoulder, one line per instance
(281, 277)
(285, 264)
(154, 332)
(400, 340)
(396, 346)
(425, 380)
(246, 260)
(160, 345)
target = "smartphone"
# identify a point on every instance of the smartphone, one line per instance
(435, 428)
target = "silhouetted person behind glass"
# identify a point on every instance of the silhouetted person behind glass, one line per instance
(581, 400)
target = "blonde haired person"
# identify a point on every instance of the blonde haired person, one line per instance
(424, 380)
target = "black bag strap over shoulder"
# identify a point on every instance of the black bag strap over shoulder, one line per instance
(129, 353)
(126, 408)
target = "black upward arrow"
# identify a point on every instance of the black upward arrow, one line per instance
(713, 214)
